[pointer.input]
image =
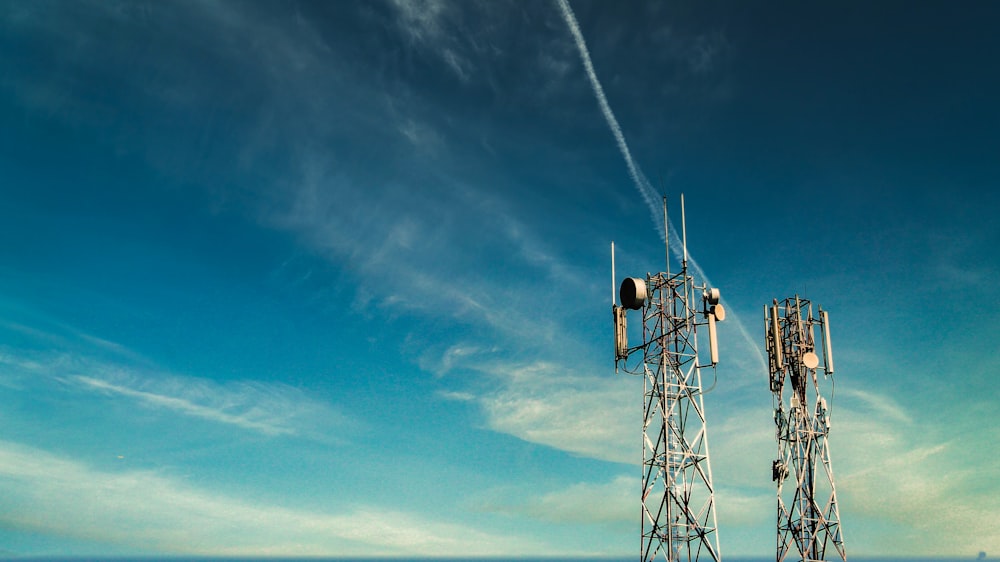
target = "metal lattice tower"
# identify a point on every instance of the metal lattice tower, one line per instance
(678, 500)
(808, 517)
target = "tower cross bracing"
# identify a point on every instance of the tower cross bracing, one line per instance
(808, 518)
(678, 519)
(678, 511)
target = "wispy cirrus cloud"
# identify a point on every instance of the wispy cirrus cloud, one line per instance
(269, 408)
(152, 512)
(410, 254)
(547, 404)
(611, 503)
(881, 470)
(918, 497)
(615, 501)
(426, 23)
(893, 469)
(889, 465)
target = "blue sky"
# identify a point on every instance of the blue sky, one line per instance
(333, 278)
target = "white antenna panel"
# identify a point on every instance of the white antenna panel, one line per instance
(776, 338)
(713, 339)
(621, 334)
(827, 349)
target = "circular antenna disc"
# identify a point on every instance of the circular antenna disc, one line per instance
(632, 293)
(810, 360)
(719, 312)
(713, 295)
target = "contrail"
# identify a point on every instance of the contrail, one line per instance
(646, 190)
(751, 343)
(641, 183)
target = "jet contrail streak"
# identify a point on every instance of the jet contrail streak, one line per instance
(751, 343)
(646, 190)
(642, 184)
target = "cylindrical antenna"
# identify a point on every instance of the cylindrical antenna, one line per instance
(798, 317)
(812, 334)
(776, 336)
(713, 340)
(684, 234)
(767, 332)
(827, 350)
(614, 287)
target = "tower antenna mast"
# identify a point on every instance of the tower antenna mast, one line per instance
(808, 516)
(678, 498)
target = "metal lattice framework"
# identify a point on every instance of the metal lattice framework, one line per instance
(808, 518)
(678, 498)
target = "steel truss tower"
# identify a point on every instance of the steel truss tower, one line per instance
(808, 518)
(678, 500)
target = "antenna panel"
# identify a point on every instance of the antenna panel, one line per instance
(621, 334)
(713, 338)
(827, 348)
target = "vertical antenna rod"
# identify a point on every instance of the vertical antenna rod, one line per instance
(614, 287)
(666, 238)
(684, 234)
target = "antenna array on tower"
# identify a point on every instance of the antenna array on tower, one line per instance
(678, 497)
(808, 516)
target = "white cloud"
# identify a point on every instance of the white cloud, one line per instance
(874, 404)
(746, 508)
(411, 253)
(887, 466)
(269, 408)
(703, 52)
(421, 135)
(605, 503)
(59, 335)
(890, 466)
(616, 501)
(151, 512)
(453, 356)
(421, 19)
(742, 444)
(429, 24)
(901, 487)
(551, 405)
(458, 396)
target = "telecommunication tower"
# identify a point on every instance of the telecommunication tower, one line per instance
(808, 517)
(678, 499)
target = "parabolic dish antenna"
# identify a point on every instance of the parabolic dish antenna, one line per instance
(810, 360)
(719, 312)
(632, 293)
(713, 296)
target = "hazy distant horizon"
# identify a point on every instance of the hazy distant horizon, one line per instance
(179, 558)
